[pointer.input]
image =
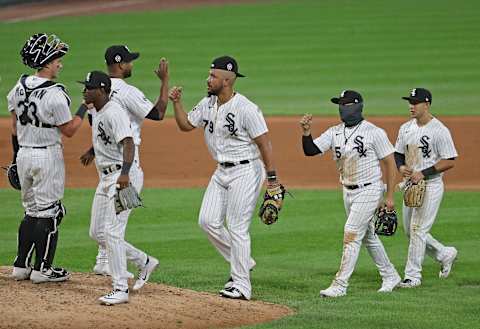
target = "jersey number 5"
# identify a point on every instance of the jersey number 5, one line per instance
(338, 154)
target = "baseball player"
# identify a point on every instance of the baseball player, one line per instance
(119, 62)
(424, 150)
(114, 156)
(237, 136)
(358, 148)
(40, 112)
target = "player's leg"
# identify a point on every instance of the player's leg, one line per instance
(212, 214)
(362, 204)
(97, 228)
(244, 189)
(117, 258)
(421, 223)
(25, 248)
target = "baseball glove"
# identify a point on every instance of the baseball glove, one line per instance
(12, 174)
(414, 193)
(127, 198)
(272, 204)
(385, 221)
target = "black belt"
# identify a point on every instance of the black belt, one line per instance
(35, 147)
(111, 169)
(233, 164)
(354, 187)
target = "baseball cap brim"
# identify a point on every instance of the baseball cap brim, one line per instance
(131, 57)
(337, 100)
(414, 100)
(239, 75)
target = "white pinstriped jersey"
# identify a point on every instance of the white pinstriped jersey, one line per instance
(230, 129)
(357, 151)
(48, 105)
(134, 101)
(423, 146)
(109, 127)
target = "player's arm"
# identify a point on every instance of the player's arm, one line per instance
(71, 127)
(158, 111)
(439, 167)
(388, 163)
(309, 147)
(15, 145)
(128, 156)
(265, 148)
(181, 116)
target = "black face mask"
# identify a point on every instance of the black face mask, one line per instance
(351, 114)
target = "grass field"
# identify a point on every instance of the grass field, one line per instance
(296, 258)
(296, 54)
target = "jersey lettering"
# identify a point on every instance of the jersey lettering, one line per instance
(231, 124)
(103, 135)
(426, 151)
(360, 148)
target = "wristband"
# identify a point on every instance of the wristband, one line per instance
(271, 175)
(81, 111)
(429, 171)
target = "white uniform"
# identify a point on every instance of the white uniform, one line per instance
(232, 193)
(423, 146)
(110, 126)
(40, 162)
(357, 152)
(137, 107)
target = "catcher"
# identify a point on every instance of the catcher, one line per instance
(423, 151)
(114, 155)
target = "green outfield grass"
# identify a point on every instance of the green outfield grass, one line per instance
(296, 258)
(296, 54)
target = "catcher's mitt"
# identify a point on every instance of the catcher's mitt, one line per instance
(12, 174)
(385, 221)
(272, 203)
(414, 193)
(127, 198)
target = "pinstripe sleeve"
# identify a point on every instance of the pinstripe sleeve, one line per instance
(400, 143)
(325, 141)
(255, 124)
(120, 123)
(195, 116)
(445, 146)
(382, 144)
(10, 102)
(137, 103)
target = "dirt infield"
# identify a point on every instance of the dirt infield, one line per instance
(171, 158)
(73, 304)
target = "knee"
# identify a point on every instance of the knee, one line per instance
(96, 235)
(205, 224)
(350, 236)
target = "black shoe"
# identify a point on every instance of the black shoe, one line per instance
(232, 293)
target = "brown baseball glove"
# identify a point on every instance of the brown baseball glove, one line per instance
(272, 204)
(414, 193)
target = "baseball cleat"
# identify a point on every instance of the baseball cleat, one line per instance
(144, 273)
(232, 293)
(333, 291)
(52, 274)
(20, 273)
(104, 269)
(447, 263)
(410, 283)
(115, 297)
(390, 283)
(229, 283)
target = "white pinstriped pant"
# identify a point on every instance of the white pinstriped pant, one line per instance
(226, 213)
(417, 223)
(108, 229)
(42, 177)
(360, 205)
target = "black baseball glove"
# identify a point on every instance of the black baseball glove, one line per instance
(385, 221)
(12, 174)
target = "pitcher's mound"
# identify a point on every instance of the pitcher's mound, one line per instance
(73, 304)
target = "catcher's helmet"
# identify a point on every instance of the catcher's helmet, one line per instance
(41, 49)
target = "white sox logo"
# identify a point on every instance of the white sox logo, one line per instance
(103, 135)
(426, 151)
(231, 124)
(360, 148)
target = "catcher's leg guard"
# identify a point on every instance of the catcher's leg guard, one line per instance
(25, 242)
(45, 237)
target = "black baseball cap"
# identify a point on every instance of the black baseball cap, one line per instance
(348, 96)
(118, 54)
(226, 63)
(96, 79)
(419, 95)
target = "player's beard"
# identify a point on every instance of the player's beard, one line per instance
(213, 92)
(127, 74)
